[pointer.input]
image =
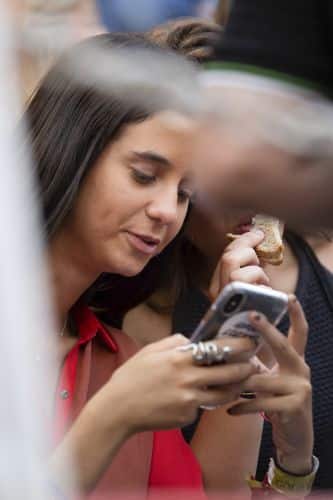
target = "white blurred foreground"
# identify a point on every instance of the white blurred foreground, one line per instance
(25, 315)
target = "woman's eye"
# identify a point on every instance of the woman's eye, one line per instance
(184, 195)
(142, 178)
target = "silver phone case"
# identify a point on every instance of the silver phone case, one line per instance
(216, 322)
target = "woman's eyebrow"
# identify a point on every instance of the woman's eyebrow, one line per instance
(152, 157)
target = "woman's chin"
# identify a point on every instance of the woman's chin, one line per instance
(132, 269)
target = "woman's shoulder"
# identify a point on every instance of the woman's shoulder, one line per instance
(126, 346)
(91, 327)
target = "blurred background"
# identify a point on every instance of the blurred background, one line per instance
(45, 27)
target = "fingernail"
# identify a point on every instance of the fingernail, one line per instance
(292, 298)
(258, 232)
(256, 317)
(248, 395)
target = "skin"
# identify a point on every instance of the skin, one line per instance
(284, 394)
(283, 277)
(113, 201)
(130, 190)
(231, 159)
(290, 380)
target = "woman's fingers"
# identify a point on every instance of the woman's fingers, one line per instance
(250, 274)
(238, 254)
(241, 349)
(250, 239)
(220, 375)
(298, 332)
(235, 259)
(263, 404)
(283, 352)
(277, 385)
(170, 342)
(229, 263)
(214, 396)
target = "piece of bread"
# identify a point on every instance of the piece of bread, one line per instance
(270, 250)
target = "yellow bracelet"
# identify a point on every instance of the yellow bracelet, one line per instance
(288, 484)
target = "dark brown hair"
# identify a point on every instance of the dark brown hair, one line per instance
(191, 37)
(70, 124)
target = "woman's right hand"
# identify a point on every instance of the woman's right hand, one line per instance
(160, 387)
(239, 262)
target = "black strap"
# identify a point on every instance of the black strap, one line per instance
(321, 272)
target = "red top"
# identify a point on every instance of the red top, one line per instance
(173, 464)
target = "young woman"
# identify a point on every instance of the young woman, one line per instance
(114, 187)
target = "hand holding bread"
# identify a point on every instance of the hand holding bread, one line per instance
(239, 262)
(270, 249)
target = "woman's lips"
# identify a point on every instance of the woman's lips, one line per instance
(145, 244)
(243, 228)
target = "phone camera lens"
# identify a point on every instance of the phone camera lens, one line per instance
(233, 303)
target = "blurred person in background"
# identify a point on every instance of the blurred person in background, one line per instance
(275, 61)
(43, 29)
(306, 271)
(114, 190)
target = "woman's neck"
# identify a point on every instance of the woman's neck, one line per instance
(70, 277)
(208, 269)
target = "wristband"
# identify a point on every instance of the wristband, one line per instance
(288, 484)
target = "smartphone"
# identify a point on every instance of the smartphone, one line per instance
(228, 315)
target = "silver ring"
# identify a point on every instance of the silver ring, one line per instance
(207, 353)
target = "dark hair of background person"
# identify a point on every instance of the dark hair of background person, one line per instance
(69, 124)
(192, 37)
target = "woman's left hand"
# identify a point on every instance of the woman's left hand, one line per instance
(284, 393)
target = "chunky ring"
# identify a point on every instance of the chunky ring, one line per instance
(210, 353)
(207, 353)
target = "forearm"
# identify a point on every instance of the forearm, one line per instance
(91, 446)
(295, 463)
(227, 448)
(295, 455)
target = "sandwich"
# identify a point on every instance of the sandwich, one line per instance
(270, 250)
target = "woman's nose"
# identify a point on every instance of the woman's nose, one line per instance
(164, 208)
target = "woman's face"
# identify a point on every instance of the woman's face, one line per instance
(208, 233)
(134, 200)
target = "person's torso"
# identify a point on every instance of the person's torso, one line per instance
(315, 291)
